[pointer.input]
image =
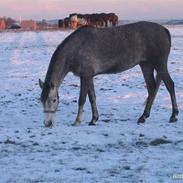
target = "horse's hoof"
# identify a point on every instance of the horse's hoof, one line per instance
(92, 124)
(76, 123)
(141, 120)
(48, 124)
(173, 119)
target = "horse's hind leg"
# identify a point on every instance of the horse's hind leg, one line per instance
(152, 87)
(92, 98)
(170, 87)
(158, 82)
(82, 99)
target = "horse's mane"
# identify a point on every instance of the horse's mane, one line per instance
(74, 33)
(46, 87)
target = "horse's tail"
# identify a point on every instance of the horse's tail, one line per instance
(158, 82)
(169, 35)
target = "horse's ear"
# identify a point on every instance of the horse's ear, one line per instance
(41, 84)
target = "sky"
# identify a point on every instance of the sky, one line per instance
(125, 9)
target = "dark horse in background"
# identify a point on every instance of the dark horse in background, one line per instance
(91, 51)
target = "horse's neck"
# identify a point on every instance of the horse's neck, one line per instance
(58, 77)
(57, 71)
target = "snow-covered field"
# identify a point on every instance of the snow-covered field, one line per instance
(115, 150)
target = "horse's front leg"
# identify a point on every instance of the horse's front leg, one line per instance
(82, 100)
(92, 98)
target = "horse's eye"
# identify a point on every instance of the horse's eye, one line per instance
(54, 100)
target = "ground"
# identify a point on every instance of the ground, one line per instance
(115, 150)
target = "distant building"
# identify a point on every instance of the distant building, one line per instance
(28, 24)
(2, 24)
(9, 22)
(47, 25)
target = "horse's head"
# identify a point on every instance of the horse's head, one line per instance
(50, 101)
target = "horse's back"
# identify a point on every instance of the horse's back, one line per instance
(115, 49)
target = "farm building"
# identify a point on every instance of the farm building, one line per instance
(2, 24)
(28, 25)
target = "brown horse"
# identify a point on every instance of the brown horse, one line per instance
(105, 51)
(61, 23)
(97, 19)
(113, 19)
(67, 22)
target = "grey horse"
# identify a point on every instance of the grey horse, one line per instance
(90, 51)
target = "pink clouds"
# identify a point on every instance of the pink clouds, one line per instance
(127, 9)
(31, 9)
